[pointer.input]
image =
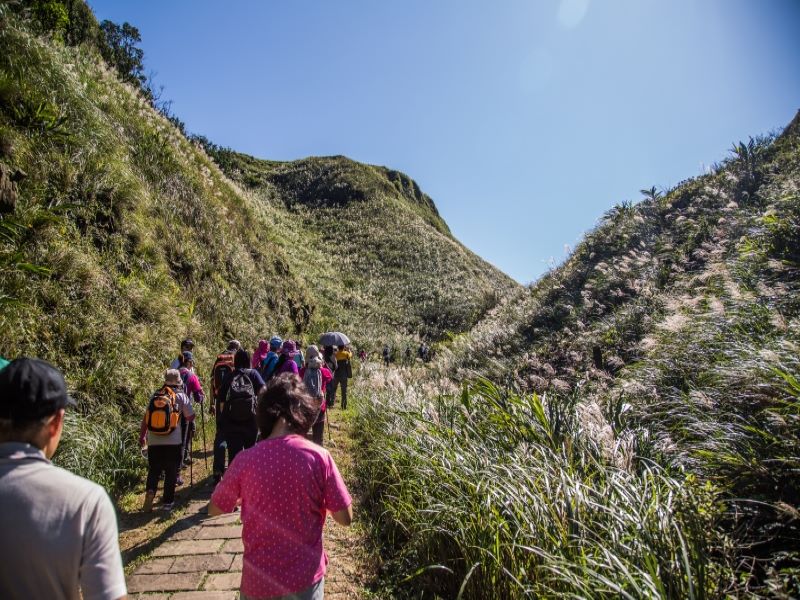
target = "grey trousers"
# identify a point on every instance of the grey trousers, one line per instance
(315, 592)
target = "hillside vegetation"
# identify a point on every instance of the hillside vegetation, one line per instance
(381, 259)
(643, 438)
(119, 236)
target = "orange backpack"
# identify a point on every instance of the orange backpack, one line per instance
(163, 416)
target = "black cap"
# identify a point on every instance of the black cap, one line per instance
(188, 342)
(32, 389)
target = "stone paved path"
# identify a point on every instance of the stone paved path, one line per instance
(201, 557)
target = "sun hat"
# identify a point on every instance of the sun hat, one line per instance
(172, 377)
(234, 345)
(311, 352)
(32, 389)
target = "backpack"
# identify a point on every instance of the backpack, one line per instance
(312, 378)
(222, 366)
(269, 366)
(163, 415)
(240, 405)
(278, 364)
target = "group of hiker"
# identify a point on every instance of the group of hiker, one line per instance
(59, 531)
(424, 353)
(236, 380)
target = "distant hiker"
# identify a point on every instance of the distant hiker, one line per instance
(316, 376)
(362, 355)
(386, 355)
(194, 391)
(160, 433)
(59, 531)
(344, 371)
(260, 354)
(223, 365)
(270, 361)
(187, 345)
(408, 355)
(286, 361)
(329, 356)
(237, 408)
(287, 485)
(298, 357)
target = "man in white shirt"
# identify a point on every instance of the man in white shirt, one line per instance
(58, 531)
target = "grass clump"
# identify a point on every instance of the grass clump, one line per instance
(493, 494)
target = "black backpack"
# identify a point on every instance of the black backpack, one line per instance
(240, 405)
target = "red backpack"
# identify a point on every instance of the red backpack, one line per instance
(222, 366)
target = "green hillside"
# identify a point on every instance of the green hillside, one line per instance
(372, 246)
(643, 435)
(119, 236)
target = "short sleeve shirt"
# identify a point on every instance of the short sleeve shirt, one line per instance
(286, 486)
(59, 531)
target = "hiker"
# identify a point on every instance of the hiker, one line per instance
(222, 366)
(362, 355)
(421, 351)
(316, 376)
(329, 356)
(286, 361)
(160, 433)
(287, 485)
(344, 371)
(270, 361)
(260, 354)
(386, 355)
(298, 357)
(187, 345)
(194, 391)
(236, 411)
(59, 530)
(408, 355)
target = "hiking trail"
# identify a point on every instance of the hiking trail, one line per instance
(188, 555)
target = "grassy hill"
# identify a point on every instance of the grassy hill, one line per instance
(372, 246)
(119, 236)
(642, 435)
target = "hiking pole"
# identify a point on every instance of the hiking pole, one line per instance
(203, 425)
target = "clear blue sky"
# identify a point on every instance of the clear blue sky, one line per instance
(523, 120)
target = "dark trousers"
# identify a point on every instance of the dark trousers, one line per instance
(187, 438)
(238, 437)
(318, 429)
(219, 450)
(337, 381)
(163, 459)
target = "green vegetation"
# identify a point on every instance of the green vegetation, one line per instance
(674, 331)
(125, 237)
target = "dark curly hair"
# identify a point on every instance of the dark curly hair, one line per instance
(286, 396)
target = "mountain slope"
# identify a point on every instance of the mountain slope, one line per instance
(123, 237)
(374, 248)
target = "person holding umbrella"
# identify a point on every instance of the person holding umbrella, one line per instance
(344, 370)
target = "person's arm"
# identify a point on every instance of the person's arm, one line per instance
(228, 491)
(101, 575)
(214, 510)
(143, 431)
(223, 390)
(258, 381)
(187, 410)
(343, 517)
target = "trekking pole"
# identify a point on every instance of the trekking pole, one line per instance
(203, 425)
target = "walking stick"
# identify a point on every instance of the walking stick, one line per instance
(329, 426)
(203, 425)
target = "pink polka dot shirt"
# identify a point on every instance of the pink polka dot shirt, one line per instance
(286, 485)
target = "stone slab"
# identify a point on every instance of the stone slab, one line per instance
(230, 595)
(184, 534)
(238, 562)
(164, 582)
(235, 546)
(157, 565)
(188, 547)
(223, 581)
(151, 597)
(229, 519)
(219, 532)
(202, 562)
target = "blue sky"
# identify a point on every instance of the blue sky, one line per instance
(523, 120)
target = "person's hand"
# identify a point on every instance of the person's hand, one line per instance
(142, 442)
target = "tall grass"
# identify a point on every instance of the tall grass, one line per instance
(491, 494)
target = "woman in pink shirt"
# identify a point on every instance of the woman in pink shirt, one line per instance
(287, 486)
